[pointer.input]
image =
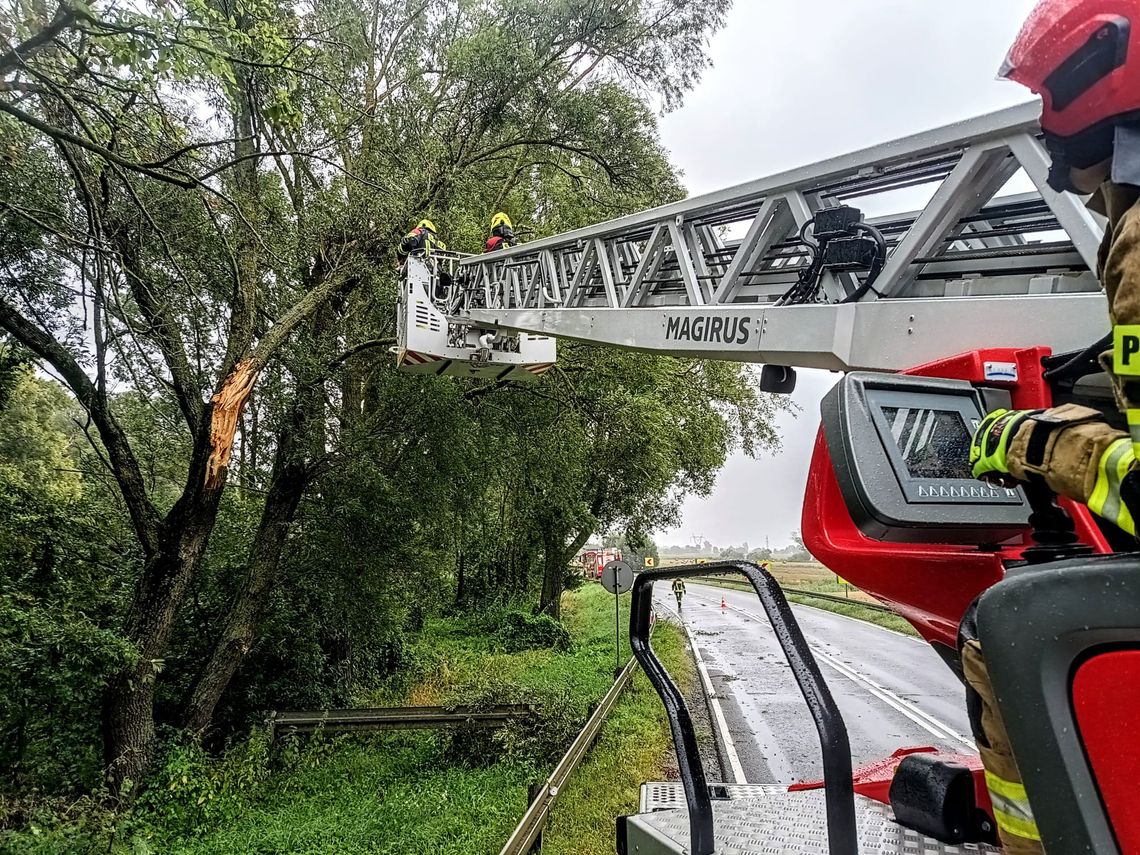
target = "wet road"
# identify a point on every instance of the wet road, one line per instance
(893, 690)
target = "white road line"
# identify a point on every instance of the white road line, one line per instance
(737, 769)
(924, 720)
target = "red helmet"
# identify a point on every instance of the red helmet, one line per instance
(1083, 58)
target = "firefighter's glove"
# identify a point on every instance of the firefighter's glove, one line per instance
(990, 444)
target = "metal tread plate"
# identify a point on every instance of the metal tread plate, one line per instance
(670, 795)
(777, 822)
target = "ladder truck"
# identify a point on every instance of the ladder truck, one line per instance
(934, 312)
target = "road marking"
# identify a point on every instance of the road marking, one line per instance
(737, 770)
(924, 720)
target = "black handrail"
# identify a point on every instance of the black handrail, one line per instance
(838, 790)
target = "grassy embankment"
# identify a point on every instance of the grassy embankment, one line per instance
(410, 793)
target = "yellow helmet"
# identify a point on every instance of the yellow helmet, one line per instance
(501, 219)
(426, 224)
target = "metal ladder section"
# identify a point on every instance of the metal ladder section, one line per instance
(705, 276)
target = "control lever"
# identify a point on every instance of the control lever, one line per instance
(1054, 535)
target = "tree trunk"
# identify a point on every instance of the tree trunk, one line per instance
(287, 485)
(128, 702)
(553, 571)
(558, 555)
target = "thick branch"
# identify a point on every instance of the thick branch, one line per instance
(65, 16)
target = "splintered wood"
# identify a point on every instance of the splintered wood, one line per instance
(228, 404)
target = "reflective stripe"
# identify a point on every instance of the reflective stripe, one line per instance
(1015, 825)
(1011, 807)
(1105, 501)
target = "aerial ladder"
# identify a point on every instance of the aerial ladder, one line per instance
(942, 277)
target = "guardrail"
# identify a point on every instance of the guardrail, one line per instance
(394, 718)
(731, 583)
(529, 829)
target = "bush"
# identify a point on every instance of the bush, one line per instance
(522, 631)
(573, 580)
(56, 661)
(193, 791)
(530, 741)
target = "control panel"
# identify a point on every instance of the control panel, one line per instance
(900, 448)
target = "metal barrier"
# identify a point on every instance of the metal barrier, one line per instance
(530, 826)
(394, 718)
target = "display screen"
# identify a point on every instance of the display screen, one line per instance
(933, 443)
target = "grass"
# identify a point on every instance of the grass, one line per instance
(392, 796)
(413, 792)
(634, 747)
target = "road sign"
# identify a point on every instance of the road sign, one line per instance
(649, 561)
(617, 577)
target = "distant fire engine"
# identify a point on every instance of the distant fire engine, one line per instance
(593, 560)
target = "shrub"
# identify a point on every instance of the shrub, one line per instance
(531, 741)
(193, 791)
(573, 579)
(522, 631)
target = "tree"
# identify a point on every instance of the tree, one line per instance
(634, 550)
(235, 273)
(647, 431)
(799, 551)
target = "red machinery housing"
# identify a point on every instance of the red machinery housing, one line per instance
(1065, 670)
(930, 585)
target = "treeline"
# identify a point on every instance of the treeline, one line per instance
(794, 551)
(217, 496)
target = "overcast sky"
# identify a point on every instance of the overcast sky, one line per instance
(794, 82)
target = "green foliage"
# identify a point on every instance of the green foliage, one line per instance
(60, 596)
(56, 660)
(187, 184)
(403, 792)
(192, 791)
(520, 631)
(526, 742)
(573, 579)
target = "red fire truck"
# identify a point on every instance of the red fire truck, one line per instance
(593, 560)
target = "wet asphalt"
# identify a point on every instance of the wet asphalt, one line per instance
(892, 690)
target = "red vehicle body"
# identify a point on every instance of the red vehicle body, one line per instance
(1095, 702)
(930, 585)
(593, 560)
